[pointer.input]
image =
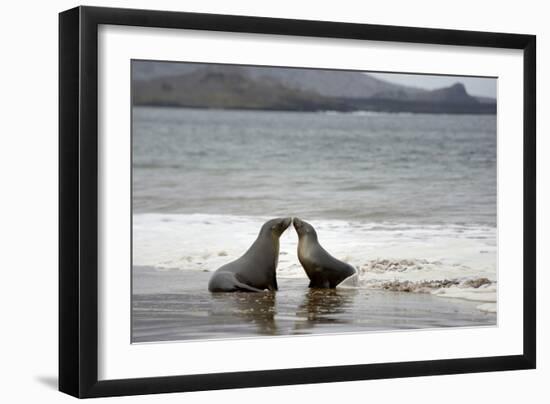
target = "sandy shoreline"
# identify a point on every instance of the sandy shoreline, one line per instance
(175, 305)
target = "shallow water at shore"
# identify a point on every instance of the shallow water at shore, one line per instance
(453, 260)
(176, 306)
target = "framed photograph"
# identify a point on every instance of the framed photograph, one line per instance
(251, 201)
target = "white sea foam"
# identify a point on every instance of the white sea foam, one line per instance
(350, 282)
(451, 261)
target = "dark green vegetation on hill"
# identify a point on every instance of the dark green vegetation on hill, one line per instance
(258, 88)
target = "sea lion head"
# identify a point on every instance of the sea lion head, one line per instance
(303, 228)
(276, 226)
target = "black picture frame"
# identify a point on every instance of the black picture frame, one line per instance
(78, 201)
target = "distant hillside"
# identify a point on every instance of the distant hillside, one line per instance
(330, 83)
(453, 99)
(227, 90)
(454, 94)
(245, 87)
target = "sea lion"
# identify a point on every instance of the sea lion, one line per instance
(255, 270)
(322, 269)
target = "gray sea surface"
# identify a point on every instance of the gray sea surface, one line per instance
(405, 168)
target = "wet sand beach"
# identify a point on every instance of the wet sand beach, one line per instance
(175, 305)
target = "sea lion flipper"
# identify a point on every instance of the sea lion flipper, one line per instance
(228, 282)
(319, 282)
(246, 288)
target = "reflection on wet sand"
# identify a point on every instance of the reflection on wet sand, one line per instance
(324, 306)
(254, 308)
(190, 312)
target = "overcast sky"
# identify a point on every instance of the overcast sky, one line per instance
(486, 87)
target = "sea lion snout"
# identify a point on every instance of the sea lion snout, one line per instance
(279, 225)
(302, 227)
(286, 222)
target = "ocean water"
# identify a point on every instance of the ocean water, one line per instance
(371, 167)
(408, 199)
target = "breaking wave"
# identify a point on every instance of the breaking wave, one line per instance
(457, 261)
